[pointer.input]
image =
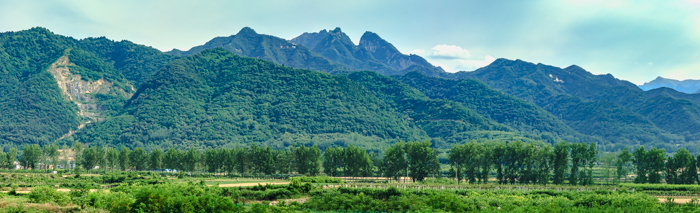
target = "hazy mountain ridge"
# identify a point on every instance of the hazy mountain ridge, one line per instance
(249, 43)
(688, 86)
(595, 104)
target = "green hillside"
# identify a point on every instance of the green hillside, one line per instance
(597, 105)
(216, 98)
(33, 110)
(51, 83)
(446, 122)
(506, 109)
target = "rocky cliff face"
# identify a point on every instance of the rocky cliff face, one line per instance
(80, 92)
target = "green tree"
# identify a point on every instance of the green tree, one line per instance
(31, 154)
(124, 158)
(608, 160)
(101, 153)
(52, 153)
(641, 165)
(622, 163)
(578, 157)
(422, 160)
(11, 157)
(138, 158)
(90, 158)
(655, 161)
(190, 160)
(332, 161)
(112, 157)
(172, 159)
(155, 159)
(284, 161)
(395, 163)
(77, 153)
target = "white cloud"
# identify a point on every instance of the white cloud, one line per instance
(455, 65)
(417, 52)
(475, 64)
(445, 51)
(453, 58)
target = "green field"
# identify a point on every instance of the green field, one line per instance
(166, 192)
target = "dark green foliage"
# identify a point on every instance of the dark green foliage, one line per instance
(215, 98)
(447, 122)
(45, 194)
(31, 155)
(392, 199)
(40, 114)
(421, 160)
(395, 163)
(354, 162)
(649, 164)
(180, 198)
(681, 168)
(33, 110)
(505, 109)
(597, 105)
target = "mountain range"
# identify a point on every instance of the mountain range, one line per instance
(318, 88)
(686, 86)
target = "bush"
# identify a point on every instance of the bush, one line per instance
(180, 198)
(46, 194)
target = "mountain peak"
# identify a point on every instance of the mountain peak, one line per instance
(372, 42)
(337, 30)
(247, 31)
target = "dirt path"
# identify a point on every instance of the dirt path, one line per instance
(249, 184)
(288, 201)
(27, 191)
(678, 200)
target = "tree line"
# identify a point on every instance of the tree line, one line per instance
(472, 162)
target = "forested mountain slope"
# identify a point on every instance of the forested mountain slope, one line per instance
(446, 122)
(503, 108)
(216, 98)
(668, 92)
(598, 105)
(50, 84)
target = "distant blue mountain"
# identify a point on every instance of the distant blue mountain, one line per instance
(685, 86)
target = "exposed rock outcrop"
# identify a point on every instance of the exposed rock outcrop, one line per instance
(79, 91)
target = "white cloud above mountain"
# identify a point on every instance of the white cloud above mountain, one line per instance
(453, 58)
(444, 51)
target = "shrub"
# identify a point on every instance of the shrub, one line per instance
(45, 194)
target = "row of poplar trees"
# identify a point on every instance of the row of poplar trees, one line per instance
(243, 160)
(512, 162)
(524, 163)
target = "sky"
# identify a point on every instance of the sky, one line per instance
(633, 40)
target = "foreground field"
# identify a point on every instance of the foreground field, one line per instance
(152, 192)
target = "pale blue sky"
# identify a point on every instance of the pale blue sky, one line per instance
(633, 40)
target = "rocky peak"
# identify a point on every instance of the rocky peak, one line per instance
(372, 42)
